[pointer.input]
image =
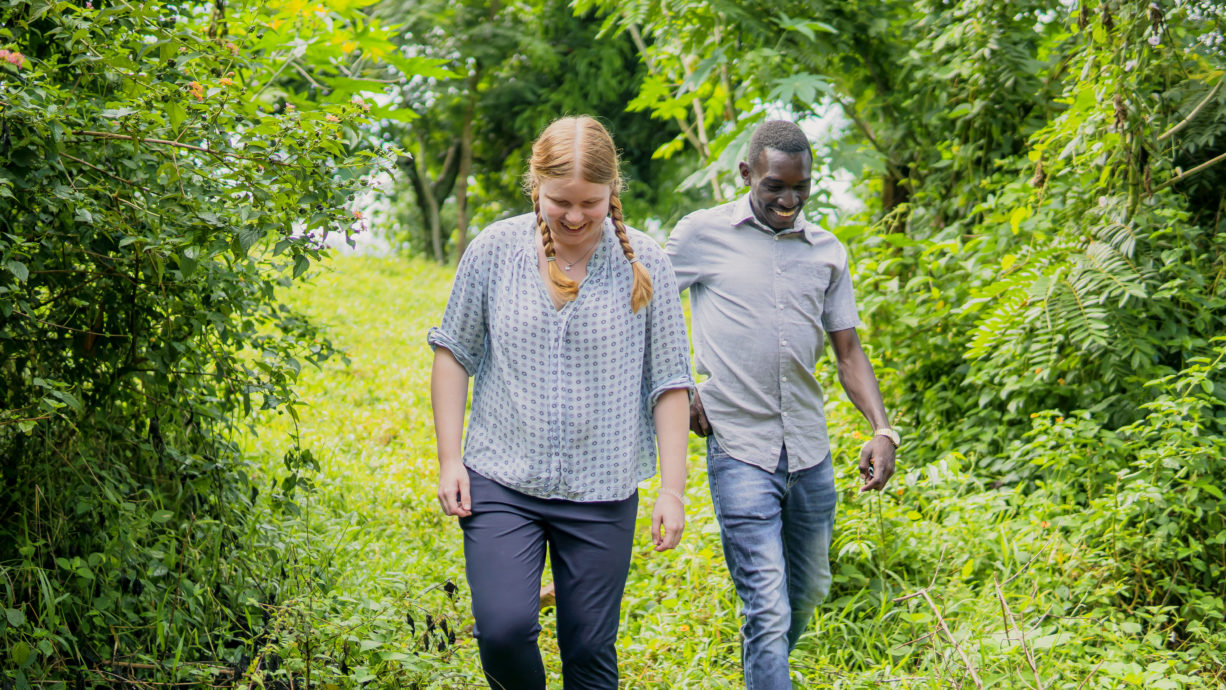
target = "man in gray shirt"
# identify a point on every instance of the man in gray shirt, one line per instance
(765, 286)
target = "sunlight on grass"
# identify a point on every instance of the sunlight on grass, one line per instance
(381, 591)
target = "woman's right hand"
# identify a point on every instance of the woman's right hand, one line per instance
(453, 488)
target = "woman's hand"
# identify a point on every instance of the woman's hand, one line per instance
(453, 488)
(667, 522)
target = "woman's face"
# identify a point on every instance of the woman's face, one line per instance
(574, 209)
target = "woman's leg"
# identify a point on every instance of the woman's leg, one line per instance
(504, 555)
(589, 551)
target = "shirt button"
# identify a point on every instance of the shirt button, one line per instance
(778, 270)
(781, 305)
(785, 414)
(783, 342)
(784, 379)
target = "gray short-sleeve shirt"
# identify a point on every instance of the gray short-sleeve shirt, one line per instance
(562, 399)
(761, 303)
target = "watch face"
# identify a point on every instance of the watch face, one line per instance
(890, 434)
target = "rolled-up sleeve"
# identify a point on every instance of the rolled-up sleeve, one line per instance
(840, 311)
(666, 359)
(465, 321)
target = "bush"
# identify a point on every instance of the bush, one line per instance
(157, 185)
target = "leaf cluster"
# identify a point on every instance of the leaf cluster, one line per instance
(159, 182)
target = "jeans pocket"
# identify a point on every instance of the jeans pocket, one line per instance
(740, 490)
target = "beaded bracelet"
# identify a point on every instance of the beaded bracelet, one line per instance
(675, 494)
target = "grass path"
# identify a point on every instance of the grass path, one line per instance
(368, 423)
(380, 594)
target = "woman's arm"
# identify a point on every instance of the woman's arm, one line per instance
(671, 414)
(448, 393)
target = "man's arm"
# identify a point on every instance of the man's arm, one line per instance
(856, 375)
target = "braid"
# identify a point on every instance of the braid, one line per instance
(641, 293)
(559, 282)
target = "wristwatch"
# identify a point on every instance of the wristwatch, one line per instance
(890, 434)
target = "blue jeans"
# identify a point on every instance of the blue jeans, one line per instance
(776, 530)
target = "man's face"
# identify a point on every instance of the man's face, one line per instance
(778, 186)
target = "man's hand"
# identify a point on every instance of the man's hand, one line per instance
(667, 522)
(698, 417)
(453, 488)
(876, 463)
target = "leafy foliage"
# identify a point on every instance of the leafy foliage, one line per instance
(516, 67)
(159, 182)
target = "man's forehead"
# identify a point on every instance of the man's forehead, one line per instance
(763, 164)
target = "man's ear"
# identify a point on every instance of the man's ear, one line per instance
(744, 168)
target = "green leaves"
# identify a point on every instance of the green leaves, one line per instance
(149, 171)
(799, 87)
(18, 269)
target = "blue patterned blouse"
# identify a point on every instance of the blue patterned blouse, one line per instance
(562, 399)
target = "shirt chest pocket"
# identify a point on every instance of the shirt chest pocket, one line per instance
(804, 287)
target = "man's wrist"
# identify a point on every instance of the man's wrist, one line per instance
(889, 433)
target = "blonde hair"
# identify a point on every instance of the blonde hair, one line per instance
(581, 146)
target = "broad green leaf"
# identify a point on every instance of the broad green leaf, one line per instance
(18, 269)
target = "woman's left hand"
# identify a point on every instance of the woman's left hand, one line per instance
(667, 522)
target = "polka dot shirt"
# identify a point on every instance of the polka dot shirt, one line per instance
(562, 399)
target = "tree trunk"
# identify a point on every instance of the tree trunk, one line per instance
(466, 164)
(429, 203)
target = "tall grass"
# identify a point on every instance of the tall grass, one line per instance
(941, 581)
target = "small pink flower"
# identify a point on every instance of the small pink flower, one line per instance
(332, 118)
(89, 5)
(13, 57)
(1154, 40)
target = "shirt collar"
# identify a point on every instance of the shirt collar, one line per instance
(742, 213)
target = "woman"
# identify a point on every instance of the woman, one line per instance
(571, 326)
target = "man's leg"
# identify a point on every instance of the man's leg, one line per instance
(504, 555)
(589, 550)
(808, 524)
(748, 504)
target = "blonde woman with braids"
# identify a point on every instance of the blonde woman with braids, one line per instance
(570, 325)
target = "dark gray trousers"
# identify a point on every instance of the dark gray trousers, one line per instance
(504, 553)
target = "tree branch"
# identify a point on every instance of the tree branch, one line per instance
(1184, 175)
(178, 145)
(1195, 111)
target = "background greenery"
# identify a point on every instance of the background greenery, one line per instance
(198, 489)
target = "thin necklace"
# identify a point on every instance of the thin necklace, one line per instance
(571, 264)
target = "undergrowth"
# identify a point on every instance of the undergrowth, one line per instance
(948, 579)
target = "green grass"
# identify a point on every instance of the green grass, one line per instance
(368, 549)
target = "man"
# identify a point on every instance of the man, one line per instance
(765, 284)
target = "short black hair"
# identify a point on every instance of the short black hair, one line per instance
(780, 135)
